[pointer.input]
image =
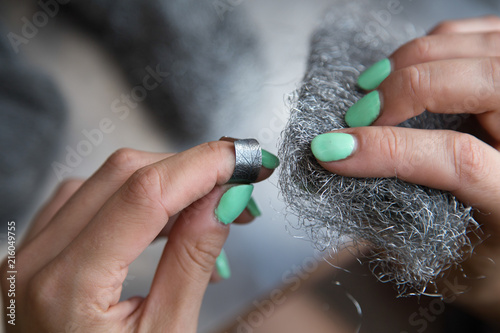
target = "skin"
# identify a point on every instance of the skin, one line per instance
(75, 257)
(455, 69)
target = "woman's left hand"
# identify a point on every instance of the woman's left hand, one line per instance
(455, 69)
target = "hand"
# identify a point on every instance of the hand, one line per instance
(76, 255)
(455, 69)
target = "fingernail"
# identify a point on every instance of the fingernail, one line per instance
(330, 147)
(233, 203)
(222, 265)
(269, 160)
(253, 208)
(372, 77)
(365, 111)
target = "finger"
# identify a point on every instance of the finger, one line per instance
(59, 198)
(442, 47)
(471, 25)
(269, 163)
(446, 160)
(470, 38)
(189, 259)
(84, 204)
(452, 86)
(136, 213)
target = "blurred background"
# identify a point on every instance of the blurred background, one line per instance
(233, 78)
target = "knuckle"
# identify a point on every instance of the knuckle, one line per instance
(392, 145)
(416, 82)
(212, 147)
(44, 291)
(422, 48)
(202, 254)
(218, 151)
(492, 72)
(469, 159)
(396, 148)
(124, 160)
(144, 187)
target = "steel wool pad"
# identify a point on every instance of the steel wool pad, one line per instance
(417, 233)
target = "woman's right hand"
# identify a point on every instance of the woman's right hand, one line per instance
(74, 260)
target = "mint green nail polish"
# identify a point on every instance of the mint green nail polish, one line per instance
(365, 111)
(269, 160)
(253, 208)
(330, 147)
(233, 203)
(222, 265)
(372, 77)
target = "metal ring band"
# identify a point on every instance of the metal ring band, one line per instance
(248, 160)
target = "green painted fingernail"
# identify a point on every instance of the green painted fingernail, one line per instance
(222, 265)
(365, 111)
(269, 160)
(233, 203)
(253, 208)
(372, 77)
(330, 147)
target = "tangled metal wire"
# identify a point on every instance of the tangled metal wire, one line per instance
(417, 233)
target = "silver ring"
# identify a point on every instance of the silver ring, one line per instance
(248, 160)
